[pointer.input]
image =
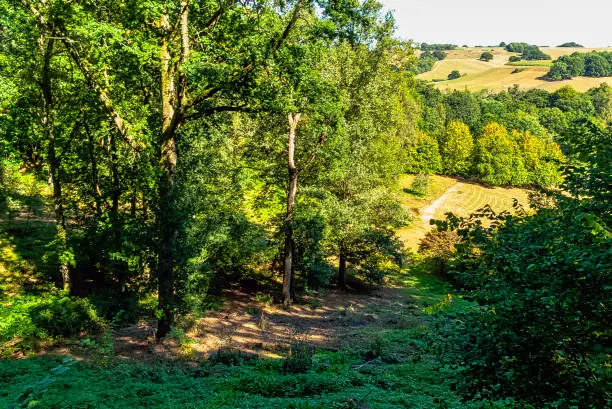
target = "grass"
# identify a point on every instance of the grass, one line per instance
(464, 200)
(533, 63)
(397, 368)
(497, 74)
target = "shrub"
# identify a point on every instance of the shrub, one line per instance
(454, 75)
(486, 56)
(66, 317)
(437, 247)
(420, 185)
(514, 58)
(299, 359)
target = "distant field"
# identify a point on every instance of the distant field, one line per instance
(497, 74)
(547, 63)
(450, 195)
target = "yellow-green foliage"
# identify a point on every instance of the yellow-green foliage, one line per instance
(456, 148)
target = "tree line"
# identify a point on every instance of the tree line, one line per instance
(591, 64)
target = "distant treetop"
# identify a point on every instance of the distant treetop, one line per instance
(437, 47)
(528, 51)
(571, 44)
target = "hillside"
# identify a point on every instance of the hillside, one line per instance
(496, 75)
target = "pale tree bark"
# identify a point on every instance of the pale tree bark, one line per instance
(53, 162)
(288, 225)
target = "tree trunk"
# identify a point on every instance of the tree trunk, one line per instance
(288, 225)
(342, 271)
(95, 184)
(49, 129)
(173, 103)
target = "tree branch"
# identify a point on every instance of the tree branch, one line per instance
(118, 121)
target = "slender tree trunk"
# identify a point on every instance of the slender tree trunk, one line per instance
(342, 271)
(116, 190)
(288, 225)
(95, 184)
(49, 129)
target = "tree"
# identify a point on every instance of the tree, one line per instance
(454, 75)
(456, 149)
(423, 155)
(498, 160)
(486, 56)
(463, 106)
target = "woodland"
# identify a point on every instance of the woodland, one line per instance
(157, 155)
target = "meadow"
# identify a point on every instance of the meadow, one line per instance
(497, 74)
(457, 196)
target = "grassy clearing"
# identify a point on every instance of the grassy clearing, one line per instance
(462, 200)
(496, 75)
(395, 366)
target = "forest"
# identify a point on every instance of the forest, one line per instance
(158, 158)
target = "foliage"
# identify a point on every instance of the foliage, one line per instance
(420, 185)
(454, 74)
(486, 56)
(571, 44)
(528, 52)
(542, 280)
(456, 148)
(299, 359)
(31, 320)
(437, 47)
(514, 58)
(591, 64)
(423, 156)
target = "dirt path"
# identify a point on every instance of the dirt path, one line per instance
(428, 212)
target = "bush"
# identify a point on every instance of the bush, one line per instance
(437, 247)
(486, 56)
(454, 75)
(28, 321)
(299, 359)
(420, 185)
(514, 58)
(66, 317)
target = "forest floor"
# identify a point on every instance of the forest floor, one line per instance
(332, 321)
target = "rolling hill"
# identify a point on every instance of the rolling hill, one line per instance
(496, 75)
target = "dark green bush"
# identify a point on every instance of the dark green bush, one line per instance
(454, 75)
(66, 317)
(299, 359)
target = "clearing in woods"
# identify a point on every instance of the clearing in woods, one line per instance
(495, 75)
(451, 195)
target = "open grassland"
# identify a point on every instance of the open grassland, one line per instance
(497, 75)
(451, 195)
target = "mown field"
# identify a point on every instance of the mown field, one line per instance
(451, 195)
(497, 75)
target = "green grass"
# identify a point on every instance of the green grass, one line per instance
(399, 368)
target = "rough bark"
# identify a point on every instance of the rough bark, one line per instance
(174, 100)
(53, 163)
(288, 225)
